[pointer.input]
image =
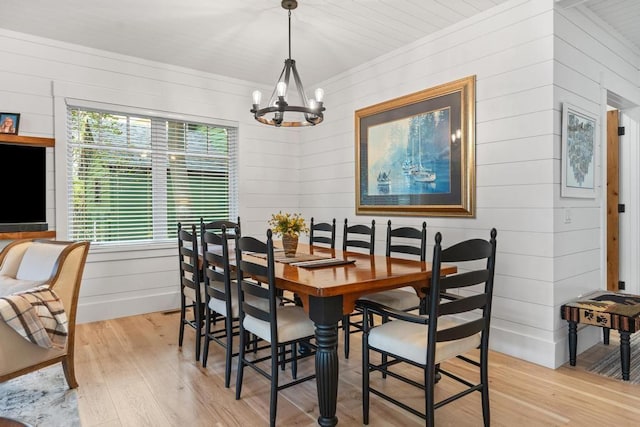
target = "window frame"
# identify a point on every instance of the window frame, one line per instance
(154, 115)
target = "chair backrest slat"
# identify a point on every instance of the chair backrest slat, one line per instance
(468, 250)
(462, 331)
(462, 280)
(463, 305)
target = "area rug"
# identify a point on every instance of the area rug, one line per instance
(41, 398)
(609, 366)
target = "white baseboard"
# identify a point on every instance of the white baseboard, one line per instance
(122, 307)
(533, 349)
(548, 353)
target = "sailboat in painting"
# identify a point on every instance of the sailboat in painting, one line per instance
(424, 175)
(420, 173)
(384, 181)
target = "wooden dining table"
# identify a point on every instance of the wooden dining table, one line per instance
(329, 292)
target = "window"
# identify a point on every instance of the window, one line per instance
(133, 178)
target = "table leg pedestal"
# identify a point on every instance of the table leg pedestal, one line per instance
(325, 313)
(327, 373)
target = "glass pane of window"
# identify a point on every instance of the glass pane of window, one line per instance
(135, 178)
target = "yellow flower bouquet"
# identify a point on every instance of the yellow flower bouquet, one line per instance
(288, 224)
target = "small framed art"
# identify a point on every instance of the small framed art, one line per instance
(578, 153)
(9, 123)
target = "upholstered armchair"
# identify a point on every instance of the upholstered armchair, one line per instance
(25, 264)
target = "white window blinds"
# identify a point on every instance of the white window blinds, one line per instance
(132, 178)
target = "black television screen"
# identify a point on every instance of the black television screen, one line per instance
(23, 171)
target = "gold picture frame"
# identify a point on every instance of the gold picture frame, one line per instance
(415, 155)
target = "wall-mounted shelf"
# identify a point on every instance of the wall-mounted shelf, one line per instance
(51, 234)
(27, 140)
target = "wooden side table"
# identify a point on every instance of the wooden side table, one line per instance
(608, 310)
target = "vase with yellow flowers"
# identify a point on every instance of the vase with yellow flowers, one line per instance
(289, 226)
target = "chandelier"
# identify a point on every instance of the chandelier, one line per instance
(307, 114)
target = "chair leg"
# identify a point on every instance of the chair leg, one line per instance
(484, 378)
(365, 378)
(294, 360)
(273, 400)
(228, 323)
(69, 370)
(241, 350)
(385, 319)
(198, 320)
(183, 313)
(345, 324)
(429, 392)
(207, 331)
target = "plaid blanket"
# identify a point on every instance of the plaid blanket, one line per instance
(37, 315)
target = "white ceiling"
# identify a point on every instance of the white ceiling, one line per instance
(247, 39)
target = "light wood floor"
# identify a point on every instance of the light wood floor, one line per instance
(132, 373)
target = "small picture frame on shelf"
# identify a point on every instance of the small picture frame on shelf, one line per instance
(9, 123)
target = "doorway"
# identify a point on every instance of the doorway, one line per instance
(623, 202)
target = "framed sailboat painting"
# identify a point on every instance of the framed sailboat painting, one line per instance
(415, 155)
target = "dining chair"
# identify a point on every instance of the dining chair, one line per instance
(399, 242)
(191, 287)
(221, 297)
(216, 226)
(323, 228)
(357, 236)
(454, 327)
(403, 299)
(281, 326)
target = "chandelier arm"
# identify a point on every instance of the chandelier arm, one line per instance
(310, 115)
(273, 96)
(299, 86)
(288, 64)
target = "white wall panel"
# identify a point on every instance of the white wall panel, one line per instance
(514, 104)
(511, 54)
(515, 173)
(515, 150)
(588, 60)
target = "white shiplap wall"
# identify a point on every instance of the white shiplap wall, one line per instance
(527, 58)
(510, 50)
(125, 281)
(592, 64)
